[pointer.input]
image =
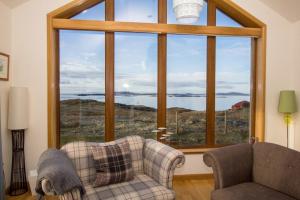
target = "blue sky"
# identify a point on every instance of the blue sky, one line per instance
(82, 55)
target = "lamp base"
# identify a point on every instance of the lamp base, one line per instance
(288, 121)
(18, 180)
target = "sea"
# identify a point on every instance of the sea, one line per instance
(198, 103)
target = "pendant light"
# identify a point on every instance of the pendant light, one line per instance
(187, 11)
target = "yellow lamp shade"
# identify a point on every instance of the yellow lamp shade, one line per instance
(287, 102)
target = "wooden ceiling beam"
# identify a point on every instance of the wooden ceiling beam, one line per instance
(110, 26)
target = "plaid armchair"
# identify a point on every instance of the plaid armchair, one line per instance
(153, 164)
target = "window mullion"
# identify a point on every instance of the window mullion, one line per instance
(109, 74)
(162, 68)
(211, 77)
(253, 86)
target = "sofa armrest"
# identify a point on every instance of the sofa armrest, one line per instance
(160, 162)
(73, 195)
(56, 174)
(48, 190)
(231, 165)
(46, 187)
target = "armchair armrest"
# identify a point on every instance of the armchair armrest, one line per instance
(160, 162)
(231, 165)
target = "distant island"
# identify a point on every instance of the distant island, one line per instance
(169, 95)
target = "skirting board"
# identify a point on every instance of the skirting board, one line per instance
(193, 176)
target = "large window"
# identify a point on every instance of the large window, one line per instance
(94, 13)
(224, 20)
(135, 84)
(186, 89)
(82, 101)
(233, 78)
(189, 86)
(136, 10)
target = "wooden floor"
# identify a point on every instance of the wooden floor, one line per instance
(191, 189)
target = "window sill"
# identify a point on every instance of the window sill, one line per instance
(199, 149)
(196, 150)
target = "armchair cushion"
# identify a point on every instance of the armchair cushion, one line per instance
(113, 163)
(277, 167)
(160, 162)
(248, 191)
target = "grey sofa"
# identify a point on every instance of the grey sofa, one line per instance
(261, 171)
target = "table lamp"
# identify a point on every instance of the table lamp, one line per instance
(287, 106)
(17, 123)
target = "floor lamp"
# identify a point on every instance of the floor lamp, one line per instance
(287, 106)
(17, 123)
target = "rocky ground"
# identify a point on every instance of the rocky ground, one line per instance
(84, 120)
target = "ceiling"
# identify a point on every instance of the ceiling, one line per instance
(13, 3)
(289, 9)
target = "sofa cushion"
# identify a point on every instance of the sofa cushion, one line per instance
(141, 187)
(113, 163)
(249, 191)
(82, 158)
(277, 167)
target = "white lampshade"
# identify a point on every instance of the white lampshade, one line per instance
(18, 108)
(187, 11)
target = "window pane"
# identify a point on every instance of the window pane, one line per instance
(96, 12)
(135, 84)
(186, 88)
(224, 20)
(172, 18)
(233, 75)
(81, 86)
(136, 10)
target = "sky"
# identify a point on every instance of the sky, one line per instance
(82, 55)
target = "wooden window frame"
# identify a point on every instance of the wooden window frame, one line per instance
(254, 28)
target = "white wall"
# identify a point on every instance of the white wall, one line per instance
(279, 62)
(29, 45)
(5, 47)
(30, 69)
(193, 165)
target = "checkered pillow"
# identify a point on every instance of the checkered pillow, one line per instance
(113, 163)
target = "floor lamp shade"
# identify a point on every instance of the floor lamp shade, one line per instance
(18, 108)
(287, 102)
